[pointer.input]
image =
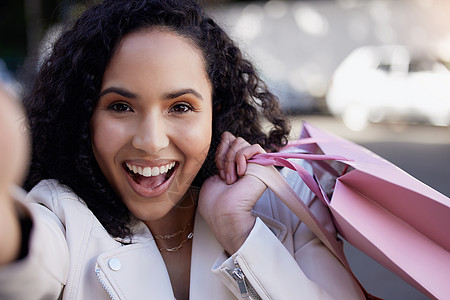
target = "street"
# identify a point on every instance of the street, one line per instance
(422, 151)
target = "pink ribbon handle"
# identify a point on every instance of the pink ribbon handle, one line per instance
(281, 160)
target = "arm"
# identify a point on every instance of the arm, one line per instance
(293, 262)
(43, 271)
(13, 161)
(301, 266)
(272, 271)
(29, 248)
(225, 202)
(10, 235)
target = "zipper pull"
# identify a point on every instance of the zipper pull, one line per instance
(239, 276)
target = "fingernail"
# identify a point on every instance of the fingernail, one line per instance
(228, 178)
(222, 174)
(241, 170)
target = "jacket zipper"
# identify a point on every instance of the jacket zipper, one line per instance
(100, 275)
(245, 288)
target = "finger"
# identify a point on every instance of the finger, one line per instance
(243, 155)
(230, 162)
(221, 153)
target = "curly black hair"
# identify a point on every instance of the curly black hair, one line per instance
(65, 91)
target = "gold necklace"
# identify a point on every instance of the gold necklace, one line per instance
(175, 249)
(172, 235)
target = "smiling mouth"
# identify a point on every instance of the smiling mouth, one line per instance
(150, 177)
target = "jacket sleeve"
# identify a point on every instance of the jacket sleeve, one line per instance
(42, 273)
(294, 265)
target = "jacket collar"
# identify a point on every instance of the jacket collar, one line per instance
(138, 269)
(142, 272)
(205, 251)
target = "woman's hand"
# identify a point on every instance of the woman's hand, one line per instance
(226, 201)
(13, 162)
(13, 142)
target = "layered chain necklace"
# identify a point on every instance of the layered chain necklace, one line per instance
(172, 235)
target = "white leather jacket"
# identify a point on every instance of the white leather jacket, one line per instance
(73, 257)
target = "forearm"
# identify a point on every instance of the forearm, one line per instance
(10, 232)
(13, 165)
(39, 268)
(270, 268)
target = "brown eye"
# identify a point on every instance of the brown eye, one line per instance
(181, 108)
(120, 107)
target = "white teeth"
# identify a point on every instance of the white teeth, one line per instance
(147, 172)
(155, 171)
(150, 171)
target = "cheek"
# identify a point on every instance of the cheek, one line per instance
(197, 141)
(107, 138)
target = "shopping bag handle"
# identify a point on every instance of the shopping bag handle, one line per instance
(281, 159)
(276, 182)
(264, 171)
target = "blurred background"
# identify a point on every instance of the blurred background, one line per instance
(373, 71)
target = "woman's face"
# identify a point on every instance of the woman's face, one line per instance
(151, 129)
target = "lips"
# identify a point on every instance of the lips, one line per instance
(150, 181)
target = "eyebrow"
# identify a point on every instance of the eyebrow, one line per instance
(119, 91)
(168, 96)
(176, 94)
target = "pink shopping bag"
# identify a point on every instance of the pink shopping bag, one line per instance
(378, 208)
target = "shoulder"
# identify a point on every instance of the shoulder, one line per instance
(48, 190)
(49, 187)
(56, 197)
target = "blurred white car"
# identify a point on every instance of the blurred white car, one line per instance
(386, 83)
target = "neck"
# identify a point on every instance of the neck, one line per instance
(177, 218)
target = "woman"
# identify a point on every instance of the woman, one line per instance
(142, 119)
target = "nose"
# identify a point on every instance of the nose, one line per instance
(151, 134)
